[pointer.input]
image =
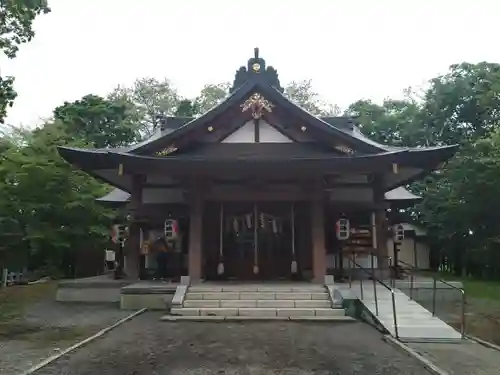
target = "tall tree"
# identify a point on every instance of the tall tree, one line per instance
(210, 96)
(102, 122)
(48, 209)
(303, 94)
(463, 104)
(151, 100)
(395, 122)
(16, 18)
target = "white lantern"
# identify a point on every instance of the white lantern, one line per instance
(342, 229)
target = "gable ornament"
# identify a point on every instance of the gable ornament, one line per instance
(258, 105)
(166, 151)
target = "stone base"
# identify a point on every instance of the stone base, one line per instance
(145, 301)
(186, 318)
(98, 289)
(149, 295)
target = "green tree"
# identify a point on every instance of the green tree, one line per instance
(16, 18)
(395, 122)
(150, 100)
(303, 94)
(210, 96)
(48, 208)
(102, 122)
(462, 105)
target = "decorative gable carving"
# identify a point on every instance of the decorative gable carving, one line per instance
(258, 105)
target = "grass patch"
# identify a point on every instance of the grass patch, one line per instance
(474, 288)
(15, 299)
(482, 289)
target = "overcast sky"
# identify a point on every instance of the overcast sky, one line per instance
(351, 49)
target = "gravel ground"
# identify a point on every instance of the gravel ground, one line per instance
(468, 358)
(147, 346)
(47, 328)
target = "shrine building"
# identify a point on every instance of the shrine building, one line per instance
(253, 188)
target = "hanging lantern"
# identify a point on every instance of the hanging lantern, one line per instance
(399, 233)
(342, 229)
(171, 229)
(115, 233)
(119, 233)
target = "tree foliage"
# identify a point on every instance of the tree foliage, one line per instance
(151, 100)
(102, 122)
(16, 18)
(48, 208)
(303, 94)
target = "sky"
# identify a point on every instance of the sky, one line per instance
(350, 49)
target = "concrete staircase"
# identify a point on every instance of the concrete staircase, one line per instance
(258, 302)
(414, 322)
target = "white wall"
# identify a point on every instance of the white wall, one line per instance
(246, 134)
(407, 252)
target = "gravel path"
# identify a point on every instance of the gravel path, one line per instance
(468, 358)
(49, 327)
(147, 346)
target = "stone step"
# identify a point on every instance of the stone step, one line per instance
(257, 288)
(256, 295)
(256, 311)
(333, 318)
(237, 303)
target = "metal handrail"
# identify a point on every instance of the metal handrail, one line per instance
(415, 270)
(375, 280)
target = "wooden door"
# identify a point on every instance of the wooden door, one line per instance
(239, 240)
(275, 240)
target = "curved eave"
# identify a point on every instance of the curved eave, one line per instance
(400, 194)
(181, 165)
(96, 163)
(422, 161)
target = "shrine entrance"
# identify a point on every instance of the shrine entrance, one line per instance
(256, 241)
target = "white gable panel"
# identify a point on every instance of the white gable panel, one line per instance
(268, 134)
(245, 134)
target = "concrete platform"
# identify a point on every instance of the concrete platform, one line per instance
(98, 289)
(153, 295)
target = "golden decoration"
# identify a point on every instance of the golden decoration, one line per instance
(256, 67)
(167, 151)
(258, 104)
(344, 149)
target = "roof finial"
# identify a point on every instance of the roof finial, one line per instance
(256, 52)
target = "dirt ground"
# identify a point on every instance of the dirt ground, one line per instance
(34, 327)
(147, 346)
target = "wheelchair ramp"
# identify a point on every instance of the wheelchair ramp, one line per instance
(414, 322)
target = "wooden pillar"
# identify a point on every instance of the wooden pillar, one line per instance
(195, 232)
(133, 242)
(318, 236)
(380, 224)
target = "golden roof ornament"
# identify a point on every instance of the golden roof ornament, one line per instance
(167, 151)
(257, 104)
